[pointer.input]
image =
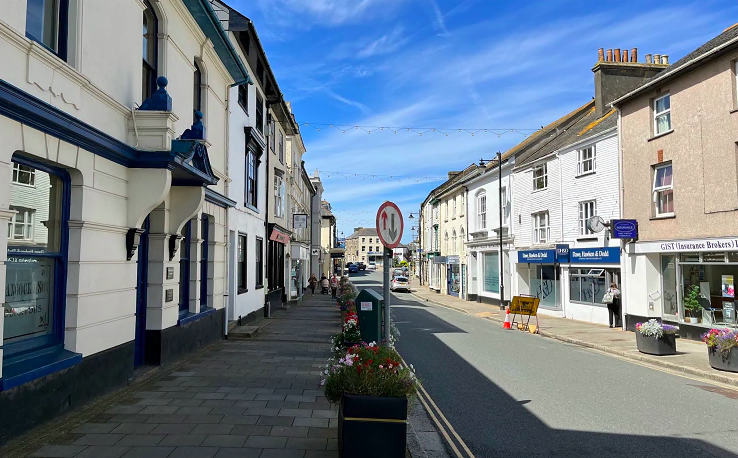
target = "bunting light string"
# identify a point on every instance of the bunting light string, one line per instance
(385, 178)
(343, 128)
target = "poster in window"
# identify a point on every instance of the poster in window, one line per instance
(28, 298)
(491, 273)
(728, 286)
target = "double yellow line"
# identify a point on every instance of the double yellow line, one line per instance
(444, 426)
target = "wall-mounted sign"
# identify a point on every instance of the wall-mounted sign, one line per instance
(366, 306)
(624, 229)
(537, 256)
(170, 273)
(169, 295)
(452, 260)
(316, 251)
(280, 237)
(300, 220)
(608, 255)
(562, 253)
(726, 244)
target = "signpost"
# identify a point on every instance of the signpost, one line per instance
(525, 306)
(389, 229)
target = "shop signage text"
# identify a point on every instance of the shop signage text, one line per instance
(537, 256)
(700, 246)
(591, 255)
(452, 260)
(624, 229)
(280, 237)
(562, 253)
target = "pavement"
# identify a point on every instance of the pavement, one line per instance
(247, 398)
(502, 393)
(691, 357)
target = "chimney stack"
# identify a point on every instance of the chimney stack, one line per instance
(665, 59)
(600, 55)
(617, 54)
(634, 55)
(657, 58)
(625, 55)
(609, 56)
(648, 59)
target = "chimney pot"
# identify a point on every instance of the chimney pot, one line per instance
(609, 56)
(648, 58)
(657, 58)
(600, 55)
(665, 59)
(625, 55)
(617, 54)
(634, 55)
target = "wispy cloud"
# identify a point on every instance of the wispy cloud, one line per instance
(440, 21)
(305, 13)
(385, 44)
(352, 103)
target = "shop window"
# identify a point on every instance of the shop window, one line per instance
(587, 210)
(24, 175)
(544, 285)
(47, 22)
(259, 259)
(669, 285)
(586, 160)
(35, 280)
(150, 51)
(242, 287)
(663, 191)
(588, 285)
(541, 230)
(243, 97)
(491, 272)
(540, 177)
(259, 113)
(204, 252)
(662, 114)
(481, 211)
(184, 268)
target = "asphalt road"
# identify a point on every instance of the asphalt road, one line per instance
(509, 394)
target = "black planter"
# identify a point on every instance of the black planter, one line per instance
(666, 345)
(723, 361)
(372, 427)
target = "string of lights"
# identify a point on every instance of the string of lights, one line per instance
(374, 176)
(343, 128)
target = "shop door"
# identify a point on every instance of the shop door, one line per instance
(453, 279)
(141, 295)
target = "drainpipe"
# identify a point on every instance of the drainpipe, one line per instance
(561, 210)
(267, 305)
(466, 237)
(623, 260)
(228, 233)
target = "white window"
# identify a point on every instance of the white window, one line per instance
(453, 241)
(503, 193)
(20, 226)
(278, 197)
(586, 162)
(461, 240)
(663, 191)
(445, 241)
(540, 227)
(453, 210)
(482, 211)
(445, 211)
(23, 174)
(463, 205)
(587, 210)
(540, 177)
(662, 114)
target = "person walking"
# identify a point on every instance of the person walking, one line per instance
(324, 284)
(312, 282)
(334, 286)
(612, 299)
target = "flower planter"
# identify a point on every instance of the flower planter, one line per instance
(723, 361)
(372, 427)
(666, 345)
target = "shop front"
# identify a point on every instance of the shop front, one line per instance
(689, 282)
(276, 293)
(435, 265)
(485, 272)
(299, 267)
(537, 274)
(587, 274)
(453, 276)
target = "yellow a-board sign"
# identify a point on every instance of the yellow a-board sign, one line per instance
(524, 305)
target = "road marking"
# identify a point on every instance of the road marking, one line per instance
(443, 424)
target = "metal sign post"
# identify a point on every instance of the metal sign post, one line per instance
(389, 229)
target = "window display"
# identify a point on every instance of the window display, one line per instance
(712, 274)
(491, 272)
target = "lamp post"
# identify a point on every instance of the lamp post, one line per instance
(420, 258)
(502, 261)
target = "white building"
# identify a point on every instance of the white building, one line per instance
(131, 269)
(300, 193)
(318, 254)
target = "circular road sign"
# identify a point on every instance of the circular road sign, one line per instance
(389, 224)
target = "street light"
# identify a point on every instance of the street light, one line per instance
(502, 261)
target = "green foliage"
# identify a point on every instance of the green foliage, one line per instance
(691, 302)
(403, 263)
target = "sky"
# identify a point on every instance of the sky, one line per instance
(446, 64)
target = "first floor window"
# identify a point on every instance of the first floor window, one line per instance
(278, 196)
(587, 210)
(663, 191)
(259, 113)
(540, 177)
(243, 97)
(540, 227)
(259, 254)
(252, 170)
(491, 272)
(662, 114)
(242, 287)
(46, 23)
(482, 211)
(586, 160)
(503, 191)
(35, 266)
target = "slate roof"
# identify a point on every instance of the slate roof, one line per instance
(363, 232)
(713, 48)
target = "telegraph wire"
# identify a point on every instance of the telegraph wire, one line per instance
(343, 128)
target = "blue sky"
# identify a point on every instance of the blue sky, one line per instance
(447, 64)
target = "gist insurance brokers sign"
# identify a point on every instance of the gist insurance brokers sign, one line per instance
(686, 246)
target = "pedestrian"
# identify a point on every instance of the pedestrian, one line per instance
(324, 285)
(312, 282)
(612, 299)
(334, 286)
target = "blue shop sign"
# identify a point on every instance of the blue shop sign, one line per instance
(537, 256)
(562, 253)
(624, 229)
(609, 255)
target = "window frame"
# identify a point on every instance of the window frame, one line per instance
(503, 192)
(29, 215)
(445, 241)
(259, 261)
(251, 191)
(151, 68)
(657, 114)
(243, 97)
(280, 144)
(259, 113)
(56, 337)
(537, 227)
(581, 161)
(481, 204)
(586, 207)
(543, 176)
(61, 31)
(242, 271)
(279, 196)
(17, 171)
(453, 210)
(656, 190)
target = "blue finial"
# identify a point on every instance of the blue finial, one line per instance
(197, 131)
(159, 100)
(198, 116)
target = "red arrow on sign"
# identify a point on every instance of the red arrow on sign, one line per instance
(384, 221)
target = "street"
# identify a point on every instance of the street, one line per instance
(509, 393)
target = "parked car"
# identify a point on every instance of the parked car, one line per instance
(400, 283)
(362, 266)
(353, 268)
(372, 266)
(398, 273)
